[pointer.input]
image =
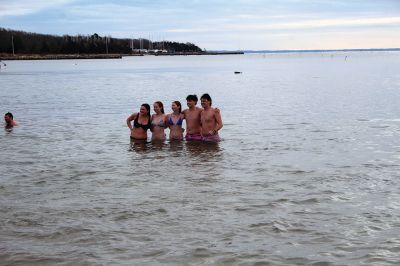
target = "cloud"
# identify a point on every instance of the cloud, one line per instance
(322, 23)
(218, 24)
(295, 25)
(24, 7)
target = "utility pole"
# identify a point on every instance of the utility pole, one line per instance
(12, 44)
(106, 45)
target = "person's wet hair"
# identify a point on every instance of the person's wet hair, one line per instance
(10, 115)
(207, 97)
(160, 104)
(147, 106)
(178, 103)
(192, 97)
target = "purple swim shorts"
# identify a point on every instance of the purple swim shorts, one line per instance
(195, 136)
(212, 138)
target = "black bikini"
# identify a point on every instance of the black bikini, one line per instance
(137, 124)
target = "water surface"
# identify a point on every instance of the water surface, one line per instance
(307, 172)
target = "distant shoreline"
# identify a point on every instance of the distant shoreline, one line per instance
(103, 56)
(321, 51)
(58, 56)
(8, 57)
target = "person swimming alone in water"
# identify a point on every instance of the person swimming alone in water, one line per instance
(9, 120)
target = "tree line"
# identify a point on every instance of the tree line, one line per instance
(20, 42)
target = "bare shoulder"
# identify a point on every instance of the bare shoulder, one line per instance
(133, 116)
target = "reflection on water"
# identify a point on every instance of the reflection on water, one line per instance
(8, 129)
(138, 145)
(194, 149)
(204, 149)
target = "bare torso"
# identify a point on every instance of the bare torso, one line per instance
(211, 122)
(175, 126)
(192, 117)
(158, 125)
(138, 132)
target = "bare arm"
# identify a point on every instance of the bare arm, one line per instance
(151, 123)
(218, 119)
(129, 120)
(166, 121)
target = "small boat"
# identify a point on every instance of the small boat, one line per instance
(238, 72)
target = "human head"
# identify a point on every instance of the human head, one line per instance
(145, 109)
(205, 97)
(8, 117)
(191, 100)
(176, 104)
(159, 105)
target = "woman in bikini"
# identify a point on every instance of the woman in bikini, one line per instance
(158, 122)
(175, 120)
(141, 123)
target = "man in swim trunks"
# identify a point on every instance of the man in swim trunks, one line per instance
(210, 120)
(192, 116)
(9, 119)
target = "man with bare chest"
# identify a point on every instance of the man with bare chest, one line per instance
(210, 120)
(192, 117)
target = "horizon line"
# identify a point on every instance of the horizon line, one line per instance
(310, 50)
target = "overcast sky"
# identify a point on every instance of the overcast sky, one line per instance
(217, 25)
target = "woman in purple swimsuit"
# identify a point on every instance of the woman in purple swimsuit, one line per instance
(175, 120)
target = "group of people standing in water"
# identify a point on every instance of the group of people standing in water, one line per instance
(202, 124)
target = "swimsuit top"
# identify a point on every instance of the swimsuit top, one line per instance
(137, 124)
(161, 123)
(178, 123)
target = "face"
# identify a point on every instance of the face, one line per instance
(7, 119)
(205, 103)
(157, 108)
(174, 107)
(143, 110)
(191, 103)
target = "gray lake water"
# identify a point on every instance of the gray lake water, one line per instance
(307, 172)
